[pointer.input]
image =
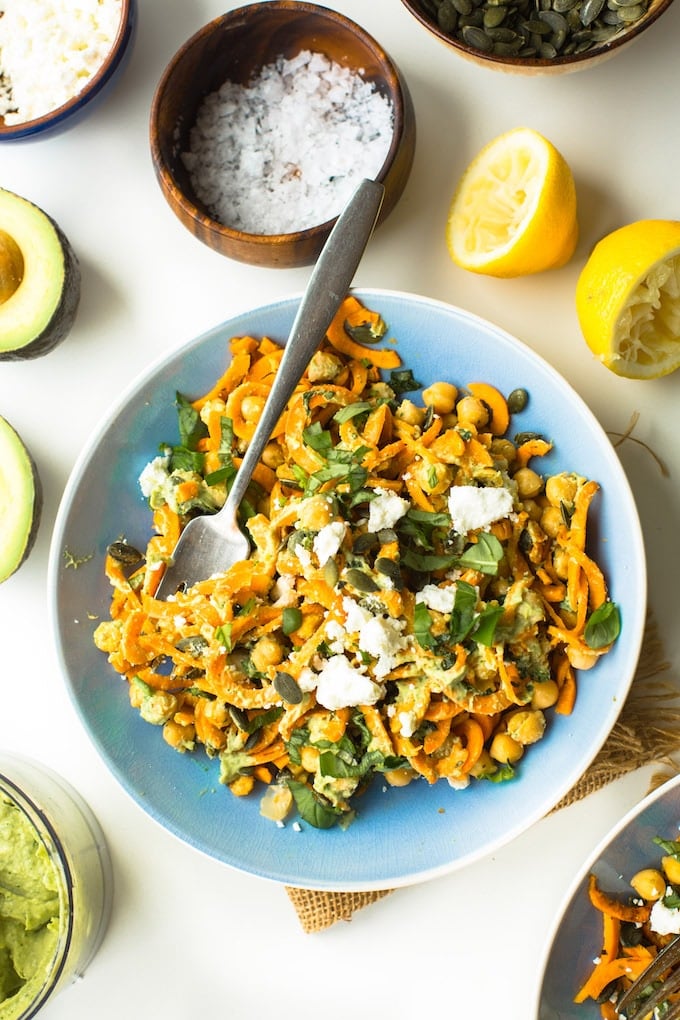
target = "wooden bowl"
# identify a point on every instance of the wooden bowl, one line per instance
(533, 65)
(234, 47)
(69, 113)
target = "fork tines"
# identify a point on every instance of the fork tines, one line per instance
(642, 1005)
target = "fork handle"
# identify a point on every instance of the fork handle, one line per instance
(327, 288)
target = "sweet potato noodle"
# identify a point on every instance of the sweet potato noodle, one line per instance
(417, 600)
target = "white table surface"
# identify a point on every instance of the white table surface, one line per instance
(189, 936)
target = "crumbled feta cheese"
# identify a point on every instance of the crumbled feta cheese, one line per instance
(355, 615)
(381, 637)
(665, 920)
(335, 636)
(154, 478)
(307, 679)
(342, 685)
(304, 555)
(49, 51)
(283, 591)
(328, 540)
(458, 784)
(442, 600)
(385, 510)
(407, 723)
(472, 507)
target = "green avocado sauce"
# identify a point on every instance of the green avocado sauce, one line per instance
(29, 912)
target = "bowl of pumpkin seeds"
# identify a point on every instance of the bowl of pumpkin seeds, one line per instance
(537, 36)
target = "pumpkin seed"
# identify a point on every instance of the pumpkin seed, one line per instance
(390, 568)
(494, 16)
(288, 687)
(477, 38)
(629, 14)
(195, 644)
(590, 10)
(517, 400)
(125, 554)
(364, 543)
(447, 17)
(547, 51)
(360, 580)
(502, 35)
(462, 6)
(238, 717)
(563, 6)
(330, 573)
(386, 535)
(554, 20)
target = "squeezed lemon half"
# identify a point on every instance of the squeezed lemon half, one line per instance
(514, 210)
(628, 299)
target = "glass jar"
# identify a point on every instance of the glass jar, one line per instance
(55, 886)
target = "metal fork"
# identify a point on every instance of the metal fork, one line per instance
(214, 542)
(642, 998)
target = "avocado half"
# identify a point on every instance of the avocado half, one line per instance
(39, 280)
(20, 501)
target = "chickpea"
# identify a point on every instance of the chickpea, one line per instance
(505, 749)
(441, 397)
(649, 883)
(671, 869)
(526, 727)
(251, 408)
(533, 508)
(410, 413)
(309, 758)
(266, 652)
(272, 456)
(324, 367)
(561, 489)
(529, 483)
(315, 513)
(432, 477)
(545, 694)
(581, 658)
(551, 521)
(182, 738)
(399, 777)
(472, 411)
(503, 449)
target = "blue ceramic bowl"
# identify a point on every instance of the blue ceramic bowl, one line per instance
(68, 114)
(577, 936)
(401, 836)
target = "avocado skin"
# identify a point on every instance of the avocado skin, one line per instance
(36, 509)
(64, 314)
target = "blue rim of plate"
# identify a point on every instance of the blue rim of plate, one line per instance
(576, 936)
(401, 836)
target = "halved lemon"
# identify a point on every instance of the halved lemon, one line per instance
(628, 299)
(514, 210)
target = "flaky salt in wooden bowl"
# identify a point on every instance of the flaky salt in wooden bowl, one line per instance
(332, 108)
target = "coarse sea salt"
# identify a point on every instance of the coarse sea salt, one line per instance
(286, 152)
(49, 51)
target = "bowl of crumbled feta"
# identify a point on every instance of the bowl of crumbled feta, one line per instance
(55, 57)
(623, 906)
(267, 119)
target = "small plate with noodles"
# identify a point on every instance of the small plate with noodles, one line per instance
(433, 636)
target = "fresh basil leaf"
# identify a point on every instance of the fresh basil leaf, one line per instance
(317, 437)
(484, 555)
(671, 900)
(223, 474)
(502, 775)
(423, 563)
(223, 635)
(352, 411)
(402, 380)
(670, 847)
(603, 626)
(486, 625)
(422, 625)
(184, 459)
(366, 332)
(191, 426)
(320, 814)
(463, 615)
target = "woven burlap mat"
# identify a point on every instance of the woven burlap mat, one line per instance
(647, 731)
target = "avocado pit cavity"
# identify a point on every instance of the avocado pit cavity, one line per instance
(11, 266)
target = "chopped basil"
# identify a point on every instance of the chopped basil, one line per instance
(314, 809)
(422, 626)
(603, 626)
(484, 555)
